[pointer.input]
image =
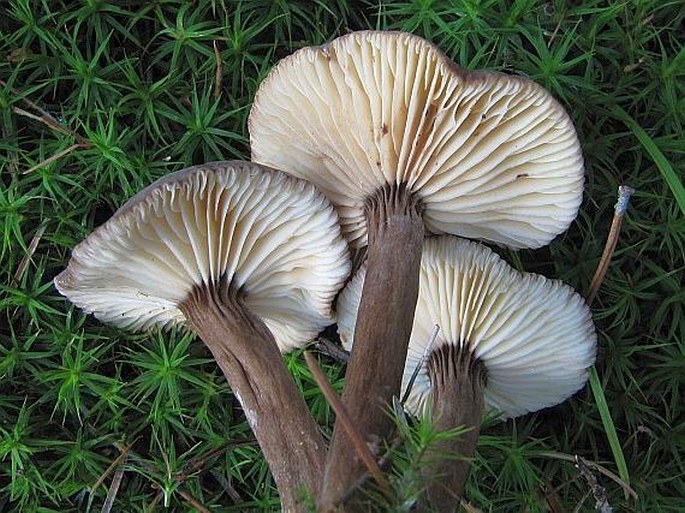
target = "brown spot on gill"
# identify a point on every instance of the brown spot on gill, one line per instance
(423, 133)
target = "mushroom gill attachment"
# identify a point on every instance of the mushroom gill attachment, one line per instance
(247, 257)
(509, 342)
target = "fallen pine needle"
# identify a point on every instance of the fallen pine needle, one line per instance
(114, 487)
(193, 501)
(21, 268)
(591, 464)
(419, 366)
(56, 156)
(624, 193)
(218, 75)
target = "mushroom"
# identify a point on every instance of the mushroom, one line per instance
(401, 140)
(509, 342)
(247, 257)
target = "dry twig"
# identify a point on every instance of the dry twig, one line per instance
(23, 265)
(57, 156)
(601, 501)
(114, 488)
(330, 348)
(42, 116)
(193, 501)
(45, 118)
(360, 447)
(592, 465)
(219, 73)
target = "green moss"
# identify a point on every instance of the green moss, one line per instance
(131, 89)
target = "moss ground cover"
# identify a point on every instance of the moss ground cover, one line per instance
(99, 98)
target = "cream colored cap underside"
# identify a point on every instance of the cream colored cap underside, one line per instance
(491, 156)
(272, 236)
(535, 336)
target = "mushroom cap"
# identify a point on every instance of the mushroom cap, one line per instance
(534, 336)
(490, 156)
(273, 237)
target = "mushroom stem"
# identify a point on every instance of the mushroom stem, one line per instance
(248, 355)
(384, 322)
(457, 381)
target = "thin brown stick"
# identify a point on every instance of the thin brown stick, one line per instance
(227, 486)
(33, 245)
(598, 491)
(114, 487)
(596, 466)
(153, 505)
(27, 114)
(554, 34)
(383, 463)
(24, 99)
(52, 123)
(117, 461)
(581, 502)
(419, 366)
(55, 157)
(551, 497)
(45, 118)
(468, 507)
(219, 73)
(329, 348)
(624, 193)
(193, 501)
(358, 444)
(197, 464)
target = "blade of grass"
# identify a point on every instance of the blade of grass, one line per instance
(660, 160)
(609, 428)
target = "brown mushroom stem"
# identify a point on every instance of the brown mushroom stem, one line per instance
(457, 381)
(248, 355)
(384, 322)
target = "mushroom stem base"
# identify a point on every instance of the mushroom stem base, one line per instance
(384, 322)
(458, 381)
(248, 355)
